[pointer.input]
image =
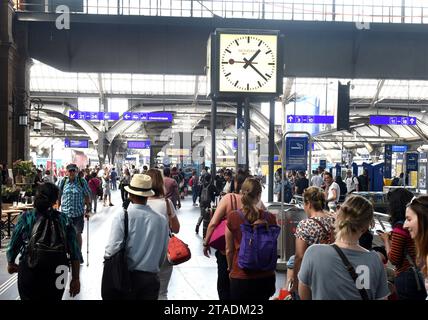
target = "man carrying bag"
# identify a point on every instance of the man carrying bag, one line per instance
(144, 245)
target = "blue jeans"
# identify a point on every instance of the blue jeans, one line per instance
(195, 191)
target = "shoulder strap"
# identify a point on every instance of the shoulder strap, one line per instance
(125, 236)
(233, 201)
(351, 271)
(322, 226)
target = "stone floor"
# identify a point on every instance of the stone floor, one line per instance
(195, 279)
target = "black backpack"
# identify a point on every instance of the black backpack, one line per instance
(205, 199)
(47, 246)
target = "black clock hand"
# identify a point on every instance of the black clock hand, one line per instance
(248, 62)
(255, 69)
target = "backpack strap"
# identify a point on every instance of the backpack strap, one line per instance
(234, 202)
(351, 271)
(414, 268)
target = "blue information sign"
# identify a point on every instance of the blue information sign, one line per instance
(296, 153)
(143, 144)
(93, 116)
(393, 120)
(69, 143)
(323, 164)
(412, 161)
(399, 148)
(388, 161)
(292, 118)
(144, 116)
(251, 146)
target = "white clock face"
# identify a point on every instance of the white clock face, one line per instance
(248, 63)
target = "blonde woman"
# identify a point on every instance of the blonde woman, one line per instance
(324, 275)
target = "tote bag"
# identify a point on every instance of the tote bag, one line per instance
(116, 282)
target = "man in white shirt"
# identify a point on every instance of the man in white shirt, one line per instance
(147, 243)
(351, 182)
(332, 191)
(316, 180)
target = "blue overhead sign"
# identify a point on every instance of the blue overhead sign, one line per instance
(296, 153)
(399, 148)
(393, 120)
(93, 116)
(291, 118)
(143, 144)
(151, 116)
(323, 164)
(69, 143)
(412, 161)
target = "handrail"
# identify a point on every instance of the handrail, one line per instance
(317, 10)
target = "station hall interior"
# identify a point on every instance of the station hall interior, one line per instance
(340, 85)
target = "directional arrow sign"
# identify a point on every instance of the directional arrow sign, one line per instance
(72, 115)
(392, 120)
(290, 119)
(127, 115)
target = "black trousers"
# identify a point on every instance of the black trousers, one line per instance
(145, 286)
(123, 194)
(38, 284)
(223, 281)
(252, 289)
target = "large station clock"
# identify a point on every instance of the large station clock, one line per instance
(246, 63)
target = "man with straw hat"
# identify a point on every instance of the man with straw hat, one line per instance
(147, 239)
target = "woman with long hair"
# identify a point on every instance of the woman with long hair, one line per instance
(37, 281)
(417, 224)
(228, 203)
(164, 207)
(325, 274)
(247, 284)
(318, 228)
(400, 247)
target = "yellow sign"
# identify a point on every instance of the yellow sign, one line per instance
(177, 152)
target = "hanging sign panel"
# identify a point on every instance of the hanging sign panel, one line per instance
(93, 116)
(143, 144)
(388, 161)
(393, 120)
(144, 116)
(296, 153)
(412, 161)
(291, 118)
(69, 143)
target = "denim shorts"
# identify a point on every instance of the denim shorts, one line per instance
(78, 223)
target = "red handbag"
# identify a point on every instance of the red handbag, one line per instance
(178, 251)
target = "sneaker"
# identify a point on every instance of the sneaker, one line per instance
(111, 204)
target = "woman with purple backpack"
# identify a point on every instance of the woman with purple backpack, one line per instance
(248, 283)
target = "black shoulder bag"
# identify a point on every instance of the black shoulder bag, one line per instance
(116, 282)
(351, 271)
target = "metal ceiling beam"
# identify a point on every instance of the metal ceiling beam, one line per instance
(376, 96)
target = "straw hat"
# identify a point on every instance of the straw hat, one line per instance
(141, 185)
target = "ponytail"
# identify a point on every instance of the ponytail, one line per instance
(251, 190)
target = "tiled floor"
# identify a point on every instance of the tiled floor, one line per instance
(195, 279)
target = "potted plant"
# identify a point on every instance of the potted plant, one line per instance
(9, 194)
(26, 170)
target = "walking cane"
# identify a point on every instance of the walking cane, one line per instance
(87, 243)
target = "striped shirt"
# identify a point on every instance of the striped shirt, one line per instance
(400, 239)
(73, 197)
(22, 233)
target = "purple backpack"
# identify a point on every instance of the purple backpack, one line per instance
(258, 249)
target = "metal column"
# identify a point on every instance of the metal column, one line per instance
(213, 144)
(240, 155)
(247, 128)
(271, 148)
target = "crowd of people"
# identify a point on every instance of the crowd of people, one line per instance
(336, 189)
(331, 244)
